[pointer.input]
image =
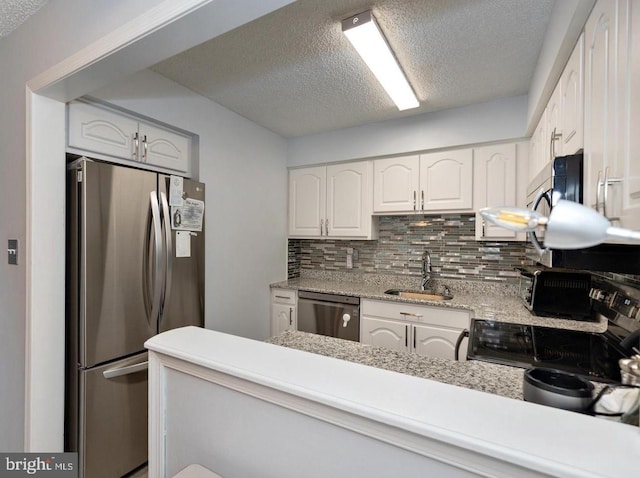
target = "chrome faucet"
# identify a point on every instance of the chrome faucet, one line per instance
(426, 270)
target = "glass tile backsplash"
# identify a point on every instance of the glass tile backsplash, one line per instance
(450, 239)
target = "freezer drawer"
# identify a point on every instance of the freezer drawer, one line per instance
(113, 418)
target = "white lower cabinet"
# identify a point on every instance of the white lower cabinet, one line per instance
(428, 331)
(391, 334)
(283, 311)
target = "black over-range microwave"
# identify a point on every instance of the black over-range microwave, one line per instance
(563, 179)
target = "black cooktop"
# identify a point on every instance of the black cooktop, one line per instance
(593, 356)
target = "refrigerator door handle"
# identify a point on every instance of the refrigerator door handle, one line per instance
(129, 369)
(157, 237)
(168, 250)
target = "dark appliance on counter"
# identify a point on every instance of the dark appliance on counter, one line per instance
(329, 314)
(129, 277)
(563, 179)
(555, 292)
(591, 355)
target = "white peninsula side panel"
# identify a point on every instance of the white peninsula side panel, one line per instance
(244, 408)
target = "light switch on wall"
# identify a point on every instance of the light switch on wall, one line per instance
(12, 252)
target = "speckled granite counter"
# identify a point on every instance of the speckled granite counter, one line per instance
(486, 301)
(497, 379)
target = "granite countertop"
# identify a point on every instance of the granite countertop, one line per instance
(485, 301)
(486, 377)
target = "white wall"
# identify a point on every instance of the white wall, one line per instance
(58, 30)
(494, 121)
(65, 50)
(244, 168)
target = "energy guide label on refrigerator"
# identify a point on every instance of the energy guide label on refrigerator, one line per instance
(188, 217)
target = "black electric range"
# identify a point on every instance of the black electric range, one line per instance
(591, 355)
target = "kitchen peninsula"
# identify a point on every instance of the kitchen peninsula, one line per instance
(247, 408)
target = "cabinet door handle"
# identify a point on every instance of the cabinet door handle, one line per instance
(290, 316)
(605, 185)
(554, 137)
(326, 227)
(414, 338)
(414, 200)
(598, 187)
(321, 223)
(144, 153)
(411, 314)
(406, 335)
(281, 297)
(136, 142)
(422, 198)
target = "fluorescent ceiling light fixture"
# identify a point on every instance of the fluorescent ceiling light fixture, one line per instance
(367, 38)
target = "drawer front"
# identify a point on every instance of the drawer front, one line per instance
(442, 316)
(284, 296)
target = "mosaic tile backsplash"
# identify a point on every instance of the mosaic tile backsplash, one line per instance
(450, 239)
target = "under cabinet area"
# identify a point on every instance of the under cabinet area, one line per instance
(430, 182)
(428, 331)
(332, 201)
(94, 129)
(283, 311)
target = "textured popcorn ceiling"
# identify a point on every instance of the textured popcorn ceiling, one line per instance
(14, 12)
(295, 73)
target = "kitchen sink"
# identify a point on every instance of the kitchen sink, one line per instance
(418, 294)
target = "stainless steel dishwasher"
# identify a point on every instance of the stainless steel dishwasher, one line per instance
(329, 314)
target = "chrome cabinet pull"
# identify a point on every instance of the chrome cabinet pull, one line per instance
(554, 137)
(144, 154)
(414, 200)
(281, 297)
(605, 185)
(422, 195)
(136, 142)
(326, 227)
(414, 339)
(599, 185)
(411, 314)
(406, 335)
(290, 316)
(321, 223)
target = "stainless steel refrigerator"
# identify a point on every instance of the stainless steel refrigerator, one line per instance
(135, 267)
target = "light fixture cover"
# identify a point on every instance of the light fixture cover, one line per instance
(367, 38)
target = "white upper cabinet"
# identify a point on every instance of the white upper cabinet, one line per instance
(571, 104)
(164, 148)
(431, 182)
(539, 147)
(560, 129)
(307, 203)
(108, 134)
(396, 184)
(553, 128)
(99, 130)
(495, 184)
(630, 216)
(332, 201)
(610, 170)
(446, 180)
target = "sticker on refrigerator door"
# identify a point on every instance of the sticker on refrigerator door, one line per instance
(189, 216)
(176, 191)
(183, 244)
